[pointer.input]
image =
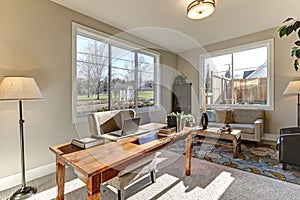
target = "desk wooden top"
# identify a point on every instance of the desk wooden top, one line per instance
(100, 158)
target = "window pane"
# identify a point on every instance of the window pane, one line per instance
(109, 75)
(92, 73)
(145, 80)
(122, 78)
(250, 73)
(218, 81)
(238, 78)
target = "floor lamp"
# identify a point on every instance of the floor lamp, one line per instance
(20, 88)
(293, 88)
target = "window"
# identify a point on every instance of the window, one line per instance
(112, 74)
(240, 77)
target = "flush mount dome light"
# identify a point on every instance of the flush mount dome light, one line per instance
(200, 9)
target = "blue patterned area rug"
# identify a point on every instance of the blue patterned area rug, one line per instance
(262, 159)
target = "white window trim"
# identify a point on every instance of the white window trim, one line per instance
(270, 90)
(98, 35)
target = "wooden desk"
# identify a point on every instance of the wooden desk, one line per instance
(98, 164)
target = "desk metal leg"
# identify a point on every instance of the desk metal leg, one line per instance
(93, 187)
(60, 179)
(188, 154)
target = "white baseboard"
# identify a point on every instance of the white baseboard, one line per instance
(14, 180)
(269, 137)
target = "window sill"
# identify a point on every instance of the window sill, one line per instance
(156, 108)
(242, 106)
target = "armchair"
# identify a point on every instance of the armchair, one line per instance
(288, 143)
(104, 122)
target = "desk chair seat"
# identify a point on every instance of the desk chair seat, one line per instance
(134, 172)
(108, 121)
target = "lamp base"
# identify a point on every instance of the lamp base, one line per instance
(24, 193)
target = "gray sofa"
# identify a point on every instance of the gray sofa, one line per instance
(250, 122)
(108, 121)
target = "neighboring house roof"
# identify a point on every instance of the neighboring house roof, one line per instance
(247, 73)
(260, 72)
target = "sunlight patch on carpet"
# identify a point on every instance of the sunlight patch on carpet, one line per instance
(51, 193)
(170, 187)
(218, 186)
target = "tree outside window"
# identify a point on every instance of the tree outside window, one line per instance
(111, 77)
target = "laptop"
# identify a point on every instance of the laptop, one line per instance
(129, 126)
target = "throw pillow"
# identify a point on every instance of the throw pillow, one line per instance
(211, 115)
(228, 117)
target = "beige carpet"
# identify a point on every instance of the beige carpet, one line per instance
(207, 181)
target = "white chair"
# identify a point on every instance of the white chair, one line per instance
(104, 122)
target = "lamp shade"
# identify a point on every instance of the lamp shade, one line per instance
(19, 88)
(200, 9)
(292, 88)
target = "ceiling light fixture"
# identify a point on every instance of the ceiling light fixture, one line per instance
(200, 9)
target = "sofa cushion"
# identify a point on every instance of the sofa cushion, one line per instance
(247, 116)
(215, 124)
(245, 128)
(224, 116)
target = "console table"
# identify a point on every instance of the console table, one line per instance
(98, 164)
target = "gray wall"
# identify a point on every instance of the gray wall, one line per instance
(35, 41)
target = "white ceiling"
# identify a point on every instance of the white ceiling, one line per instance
(164, 22)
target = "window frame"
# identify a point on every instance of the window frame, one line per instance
(269, 43)
(78, 29)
